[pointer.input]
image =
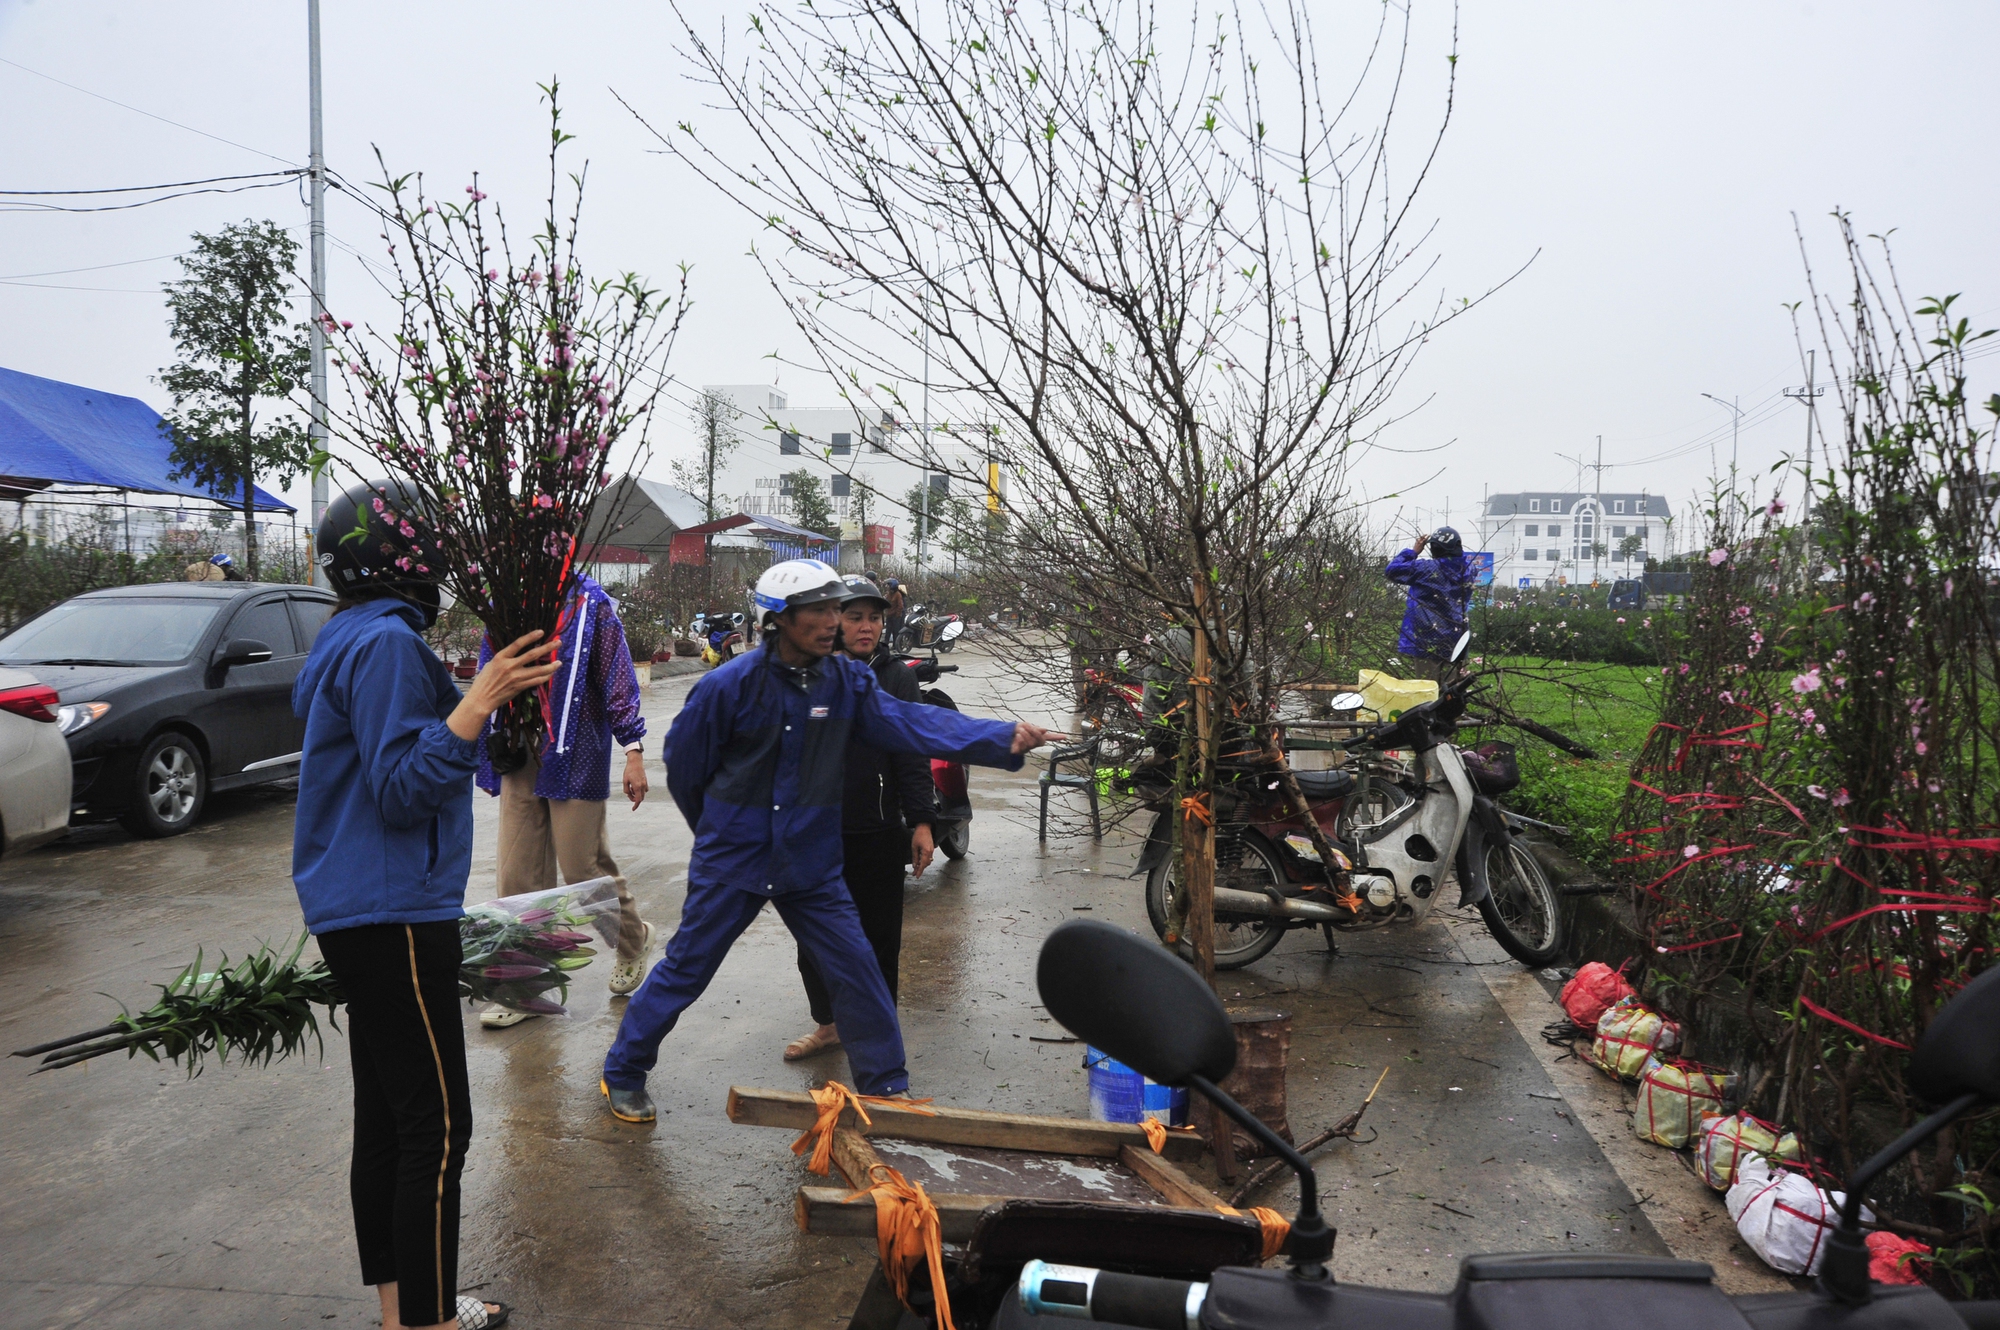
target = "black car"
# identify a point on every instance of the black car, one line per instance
(173, 690)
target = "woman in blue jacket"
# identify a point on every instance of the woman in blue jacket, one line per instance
(380, 852)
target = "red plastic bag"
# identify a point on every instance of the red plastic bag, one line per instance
(1594, 990)
(1887, 1263)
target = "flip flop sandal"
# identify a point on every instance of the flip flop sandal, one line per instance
(808, 1044)
(472, 1314)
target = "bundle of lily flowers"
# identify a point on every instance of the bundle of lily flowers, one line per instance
(518, 950)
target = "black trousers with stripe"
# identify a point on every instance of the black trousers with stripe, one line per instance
(873, 865)
(412, 1106)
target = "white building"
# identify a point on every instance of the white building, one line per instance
(1554, 536)
(862, 463)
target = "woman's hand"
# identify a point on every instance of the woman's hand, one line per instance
(1421, 542)
(923, 847)
(513, 670)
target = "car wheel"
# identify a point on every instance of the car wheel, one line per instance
(169, 787)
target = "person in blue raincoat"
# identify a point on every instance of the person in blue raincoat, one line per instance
(755, 760)
(381, 849)
(1440, 594)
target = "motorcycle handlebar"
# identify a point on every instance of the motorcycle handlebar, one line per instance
(1080, 1293)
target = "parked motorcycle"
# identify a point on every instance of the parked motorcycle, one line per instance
(1128, 997)
(721, 635)
(953, 828)
(1408, 806)
(921, 628)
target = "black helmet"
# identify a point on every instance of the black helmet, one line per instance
(1446, 544)
(375, 537)
(860, 588)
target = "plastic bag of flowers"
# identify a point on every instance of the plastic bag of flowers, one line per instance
(519, 949)
(1674, 1097)
(1726, 1142)
(1629, 1033)
(1783, 1216)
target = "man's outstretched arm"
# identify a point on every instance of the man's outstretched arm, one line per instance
(916, 727)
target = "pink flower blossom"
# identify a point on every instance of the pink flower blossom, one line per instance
(1621, 618)
(460, 460)
(1816, 791)
(1690, 851)
(410, 351)
(345, 324)
(1841, 799)
(492, 274)
(1808, 682)
(1922, 748)
(1864, 600)
(472, 567)
(477, 194)
(544, 501)
(1684, 667)
(1717, 557)
(409, 532)
(1774, 507)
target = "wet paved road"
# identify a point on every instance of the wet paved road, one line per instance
(137, 1198)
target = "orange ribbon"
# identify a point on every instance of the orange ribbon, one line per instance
(1156, 1133)
(907, 1230)
(830, 1099)
(1192, 808)
(1276, 1228)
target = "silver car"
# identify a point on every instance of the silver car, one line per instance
(34, 763)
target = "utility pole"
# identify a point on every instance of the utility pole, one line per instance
(1735, 410)
(316, 431)
(1806, 395)
(1597, 530)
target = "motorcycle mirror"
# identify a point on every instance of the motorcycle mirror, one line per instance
(1135, 1000)
(1960, 1049)
(1458, 649)
(950, 631)
(1348, 702)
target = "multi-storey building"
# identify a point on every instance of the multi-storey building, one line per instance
(867, 465)
(1560, 536)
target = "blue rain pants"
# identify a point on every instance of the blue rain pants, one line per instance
(824, 920)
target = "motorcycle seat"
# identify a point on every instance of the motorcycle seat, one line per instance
(1319, 786)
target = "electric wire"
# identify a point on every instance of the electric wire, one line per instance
(148, 114)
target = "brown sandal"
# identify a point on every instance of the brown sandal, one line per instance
(808, 1044)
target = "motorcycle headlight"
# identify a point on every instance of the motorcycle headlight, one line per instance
(75, 715)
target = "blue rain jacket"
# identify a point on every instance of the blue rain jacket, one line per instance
(1440, 593)
(756, 761)
(383, 833)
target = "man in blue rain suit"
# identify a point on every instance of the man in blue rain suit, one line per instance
(1439, 596)
(755, 761)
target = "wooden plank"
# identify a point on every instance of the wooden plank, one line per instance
(854, 1157)
(749, 1106)
(1168, 1180)
(828, 1211)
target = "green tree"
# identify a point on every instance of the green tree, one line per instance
(811, 507)
(1631, 546)
(940, 519)
(715, 440)
(231, 321)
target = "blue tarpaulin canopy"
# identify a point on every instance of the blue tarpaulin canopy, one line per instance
(60, 433)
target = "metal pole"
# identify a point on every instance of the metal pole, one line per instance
(317, 431)
(924, 445)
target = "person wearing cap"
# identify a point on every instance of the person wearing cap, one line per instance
(887, 808)
(552, 808)
(1438, 599)
(755, 760)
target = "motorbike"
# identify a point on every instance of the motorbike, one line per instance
(721, 635)
(921, 628)
(1171, 1270)
(1409, 805)
(954, 823)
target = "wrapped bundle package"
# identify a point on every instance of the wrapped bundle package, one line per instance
(1594, 990)
(1894, 1260)
(1727, 1141)
(1783, 1216)
(1629, 1033)
(1674, 1097)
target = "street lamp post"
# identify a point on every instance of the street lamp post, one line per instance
(1735, 425)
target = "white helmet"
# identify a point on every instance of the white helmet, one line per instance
(796, 582)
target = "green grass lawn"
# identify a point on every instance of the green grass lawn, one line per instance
(1609, 707)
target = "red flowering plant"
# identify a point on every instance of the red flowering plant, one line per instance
(1814, 825)
(497, 400)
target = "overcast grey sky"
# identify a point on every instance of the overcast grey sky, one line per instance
(1648, 158)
